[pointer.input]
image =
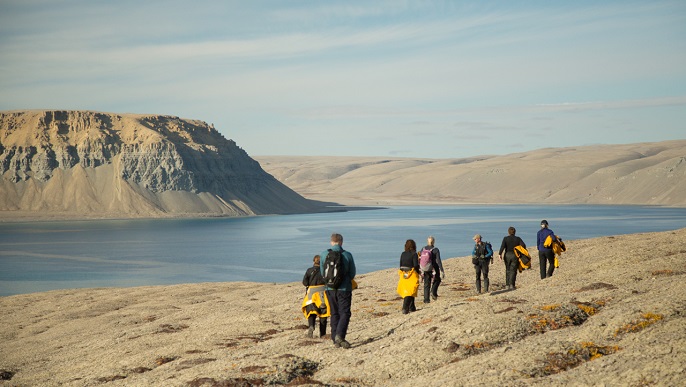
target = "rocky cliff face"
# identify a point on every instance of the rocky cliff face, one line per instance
(134, 165)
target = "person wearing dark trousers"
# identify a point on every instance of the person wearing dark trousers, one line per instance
(545, 254)
(340, 298)
(482, 257)
(507, 254)
(409, 265)
(431, 275)
(315, 289)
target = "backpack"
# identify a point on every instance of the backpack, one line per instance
(425, 260)
(333, 269)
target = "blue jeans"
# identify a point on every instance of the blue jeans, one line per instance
(340, 302)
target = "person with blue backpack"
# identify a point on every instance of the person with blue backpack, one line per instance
(338, 271)
(430, 265)
(482, 257)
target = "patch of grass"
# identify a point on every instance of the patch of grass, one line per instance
(165, 359)
(169, 328)
(350, 381)
(577, 354)
(665, 273)
(561, 317)
(252, 369)
(477, 347)
(595, 286)
(646, 320)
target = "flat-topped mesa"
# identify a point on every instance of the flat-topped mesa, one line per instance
(164, 164)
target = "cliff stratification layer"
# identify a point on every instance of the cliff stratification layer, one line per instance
(83, 163)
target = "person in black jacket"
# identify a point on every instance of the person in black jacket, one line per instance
(511, 261)
(314, 283)
(408, 262)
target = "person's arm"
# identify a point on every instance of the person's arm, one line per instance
(415, 262)
(439, 263)
(351, 270)
(306, 278)
(489, 252)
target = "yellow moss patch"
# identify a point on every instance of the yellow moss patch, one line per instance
(647, 319)
(548, 308)
(556, 362)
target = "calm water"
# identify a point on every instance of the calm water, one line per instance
(59, 255)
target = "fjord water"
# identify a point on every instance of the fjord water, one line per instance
(40, 256)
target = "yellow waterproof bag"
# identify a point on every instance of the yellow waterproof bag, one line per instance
(408, 283)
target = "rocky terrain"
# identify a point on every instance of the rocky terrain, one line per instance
(91, 164)
(611, 315)
(637, 174)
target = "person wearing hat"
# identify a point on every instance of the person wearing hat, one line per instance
(545, 254)
(482, 256)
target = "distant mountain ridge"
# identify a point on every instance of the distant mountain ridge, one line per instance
(105, 164)
(630, 174)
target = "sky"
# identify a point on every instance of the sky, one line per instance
(422, 79)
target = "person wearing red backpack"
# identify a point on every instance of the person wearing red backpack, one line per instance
(430, 264)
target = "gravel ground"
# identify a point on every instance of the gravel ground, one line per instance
(611, 315)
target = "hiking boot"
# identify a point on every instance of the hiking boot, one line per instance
(340, 342)
(405, 311)
(310, 332)
(434, 297)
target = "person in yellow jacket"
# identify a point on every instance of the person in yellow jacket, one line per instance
(408, 281)
(315, 304)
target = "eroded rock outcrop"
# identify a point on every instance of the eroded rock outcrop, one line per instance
(93, 163)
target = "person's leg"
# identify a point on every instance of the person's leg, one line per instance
(332, 295)
(310, 324)
(427, 287)
(484, 270)
(406, 304)
(477, 269)
(345, 299)
(551, 263)
(322, 326)
(434, 286)
(542, 259)
(413, 308)
(511, 261)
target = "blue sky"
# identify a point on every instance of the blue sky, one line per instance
(438, 79)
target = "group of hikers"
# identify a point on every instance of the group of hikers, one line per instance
(330, 281)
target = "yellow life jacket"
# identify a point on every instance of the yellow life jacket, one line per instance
(548, 241)
(316, 302)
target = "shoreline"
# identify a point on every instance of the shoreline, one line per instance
(28, 217)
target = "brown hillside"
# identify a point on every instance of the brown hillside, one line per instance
(91, 164)
(645, 174)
